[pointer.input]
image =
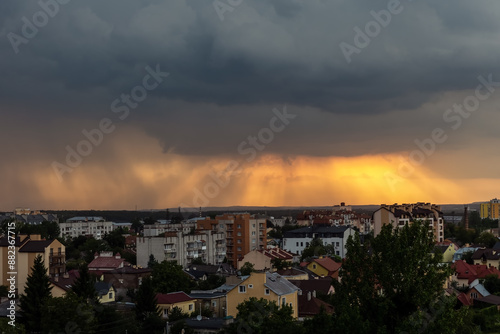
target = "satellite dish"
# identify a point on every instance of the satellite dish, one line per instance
(198, 317)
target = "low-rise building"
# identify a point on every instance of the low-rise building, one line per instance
(262, 259)
(106, 261)
(269, 286)
(167, 301)
(487, 256)
(325, 267)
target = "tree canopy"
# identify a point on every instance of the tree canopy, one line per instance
(387, 281)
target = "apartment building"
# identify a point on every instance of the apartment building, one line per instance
(27, 248)
(295, 241)
(243, 233)
(28, 216)
(87, 226)
(157, 229)
(182, 248)
(490, 209)
(399, 215)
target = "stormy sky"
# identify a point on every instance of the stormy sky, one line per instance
(113, 104)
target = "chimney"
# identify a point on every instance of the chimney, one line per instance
(96, 255)
(314, 293)
(466, 217)
(56, 278)
(66, 275)
(118, 256)
(308, 295)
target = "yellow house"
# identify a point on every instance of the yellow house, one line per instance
(487, 256)
(447, 251)
(105, 292)
(324, 267)
(166, 302)
(63, 283)
(270, 286)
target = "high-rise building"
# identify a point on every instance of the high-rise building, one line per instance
(490, 209)
(244, 233)
(399, 215)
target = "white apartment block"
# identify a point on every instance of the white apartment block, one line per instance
(295, 241)
(160, 228)
(95, 227)
(210, 246)
(399, 215)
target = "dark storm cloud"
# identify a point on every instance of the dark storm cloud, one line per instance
(226, 76)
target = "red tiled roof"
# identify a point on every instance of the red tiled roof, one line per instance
(172, 298)
(107, 262)
(277, 253)
(471, 272)
(328, 264)
(464, 299)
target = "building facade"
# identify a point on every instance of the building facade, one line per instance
(243, 233)
(295, 241)
(86, 226)
(490, 209)
(400, 215)
(182, 248)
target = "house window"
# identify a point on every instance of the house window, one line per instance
(301, 244)
(242, 289)
(239, 225)
(337, 244)
(239, 241)
(239, 234)
(297, 244)
(110, 295)
(190, 307)
(250, 286)
(165, 311)
(283, 301)
(214, 303)
(314, 266)
(239, 249)
(337, 252)
(267, 291)
(120, 280)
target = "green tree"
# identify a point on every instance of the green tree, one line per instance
(492, 284)
(247, 268)
(198, 260)
(384, 282)
(315, 248)
(467, 257)
(68, 314)
(261, 316)
(487, 239)
(152, 261)
(280, 264)
(84, 285)
(36, 294)
(321, 323)
(176, 314)
(115, 238)
(212, 282)
(146, 308)
(170, 277)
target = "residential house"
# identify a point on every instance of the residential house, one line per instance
(447, 251)
(106, 293)
(215, 300)
(295, 241)
(125, 278)
(182, 248)
(320, 286)
(487, 256)
(460, 253)
(63, 283)
(293, 274)
(202, 271)
(262, 259)
(310, 305)
(400, 215)
(477, 291)
(325, 267)
(106, 261)
(27, 248)
(464, 273)
(269, 286)
(166, 302)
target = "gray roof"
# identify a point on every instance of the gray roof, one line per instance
(102, 288)
(481, 289)
(279, 285)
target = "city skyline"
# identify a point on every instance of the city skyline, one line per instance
(259, 103)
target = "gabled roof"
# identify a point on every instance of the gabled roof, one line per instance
(102, 288)
(320, 285)
(279, 285)
(309, 307)
(486, 253)
(491, 299)
(107, 262)
(328, 264)
(35, 246)
(471, 272)
(481, 289)
(66, 283)
(172, 298)
(277, 253)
